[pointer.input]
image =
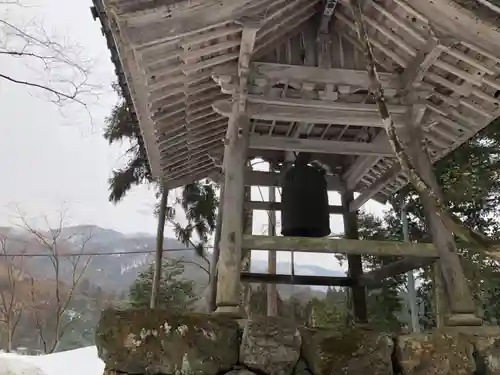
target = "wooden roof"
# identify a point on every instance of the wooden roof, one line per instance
(179, 59)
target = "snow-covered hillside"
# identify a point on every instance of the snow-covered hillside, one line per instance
(78, 362)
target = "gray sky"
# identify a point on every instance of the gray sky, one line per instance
(52, 159)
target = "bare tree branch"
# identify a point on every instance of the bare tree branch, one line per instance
(58, 67)
(11, 308)
(53, 242)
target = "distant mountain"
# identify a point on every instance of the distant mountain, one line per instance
(118, 258)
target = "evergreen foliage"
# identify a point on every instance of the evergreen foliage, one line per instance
(174, 292)
(198, 199)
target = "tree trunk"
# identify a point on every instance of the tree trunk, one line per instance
(212, 297)
(159, 248)
(9, 335)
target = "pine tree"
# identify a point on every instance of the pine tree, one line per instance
(174, 292)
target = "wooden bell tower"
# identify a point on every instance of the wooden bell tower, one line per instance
(215, 83)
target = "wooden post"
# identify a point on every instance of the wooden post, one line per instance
(228, 277)
(272, 293)
(355, 270)
(439, 303)
(159, 248)
(462, 306)
(246, 258)
(235, 157)
(412, 295)
(215, 256)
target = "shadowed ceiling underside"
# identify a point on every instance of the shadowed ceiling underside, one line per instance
(178, 64)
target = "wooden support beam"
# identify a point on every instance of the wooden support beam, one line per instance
(462, 305)
(235, 159)
(277, 206)
(424, 59)
(354, 261)
(295, 279)
(266, 179)
(281, 112)
(272, 258)
(383, 149)
(341, 246)
(307, 102)
(284, 73)
(373, 278)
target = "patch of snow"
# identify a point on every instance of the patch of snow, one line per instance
(82, 361)
(16, 366)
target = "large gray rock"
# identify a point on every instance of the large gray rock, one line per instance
(350, 352)
(242, 371)
(139, 341)
(436, 353)
(270, 345)
(486, 343)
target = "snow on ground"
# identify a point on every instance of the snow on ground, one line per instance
(76, 362)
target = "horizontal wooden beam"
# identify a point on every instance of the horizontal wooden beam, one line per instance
(375, 277)
(335, 245)
(326, 104)
(267, 278)
(286, 73)
(321, 146)
(269, 179)
(277, 206)
(271, 112)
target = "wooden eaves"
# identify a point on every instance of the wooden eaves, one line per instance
(179, 63)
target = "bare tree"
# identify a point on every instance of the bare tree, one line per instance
(51, 300)
(56, 67)
(11, 303)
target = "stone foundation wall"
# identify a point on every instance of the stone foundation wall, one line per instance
(140, 342)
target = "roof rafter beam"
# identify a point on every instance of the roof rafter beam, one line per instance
(363, 164)
(321, 146)
(415, 116)
(420, 64)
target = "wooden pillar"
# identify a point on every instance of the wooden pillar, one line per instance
(461, 304)
(439, 299)
(246, 258)
(272, 293)
(228, 277)
(235, 157)
(355, 269)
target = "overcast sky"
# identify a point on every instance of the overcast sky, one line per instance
(50, 159)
